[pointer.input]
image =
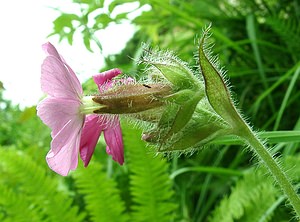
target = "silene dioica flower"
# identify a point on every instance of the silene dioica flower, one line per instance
(180, 110)
(77, 121)
(64, 111)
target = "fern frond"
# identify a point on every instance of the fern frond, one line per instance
(249, 201)
(289, 32)
(151, 187)
(102, 198)
(16, 206)
(28, 180)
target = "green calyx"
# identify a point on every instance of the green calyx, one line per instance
(180, 76)
(201, 128)
(188, 120)
(166, 66)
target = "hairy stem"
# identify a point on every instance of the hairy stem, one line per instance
(273, 166)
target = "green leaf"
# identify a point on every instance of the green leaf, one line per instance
(65, 20)
(102, 21)
(30, 191)
(250, 200)
(271, 136)
(63, 27)
(121, 16)
(151, 187)
(101, 196)
(216, 90)
(87, 40)
(116, 3)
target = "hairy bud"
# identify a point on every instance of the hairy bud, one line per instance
(188, 120)
(132, 98)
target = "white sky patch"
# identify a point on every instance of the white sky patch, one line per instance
(24, 28)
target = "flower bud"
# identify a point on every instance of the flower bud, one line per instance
(165, 65)
(204, 126)
(166, 68)
(198, 111)
(129, 99)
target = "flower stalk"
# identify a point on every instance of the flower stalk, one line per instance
(273, 166)
(220, 99)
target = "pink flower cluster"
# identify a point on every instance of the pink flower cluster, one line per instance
(73, 132)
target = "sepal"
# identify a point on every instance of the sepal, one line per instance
(216, 89)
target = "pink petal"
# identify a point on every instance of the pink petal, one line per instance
(63, 155)
(59, 80)
(71, 128)
(114, 141)
(106, 76)
(55, 112)
(50, 50)
(90, 134)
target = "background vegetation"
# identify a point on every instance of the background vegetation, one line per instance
(257, 41)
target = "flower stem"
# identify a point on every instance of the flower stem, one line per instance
(278, 174)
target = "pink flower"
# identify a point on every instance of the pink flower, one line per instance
(61, 111)
(94, 124)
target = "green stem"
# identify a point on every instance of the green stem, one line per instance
(273, 167)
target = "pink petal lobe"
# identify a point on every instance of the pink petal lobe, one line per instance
(59, 80)
(90, 134)
(63, 155)
(114, 141)
(56, 113)
(106, 76)
(50, 49)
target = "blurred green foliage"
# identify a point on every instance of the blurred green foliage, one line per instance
(257, 41)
